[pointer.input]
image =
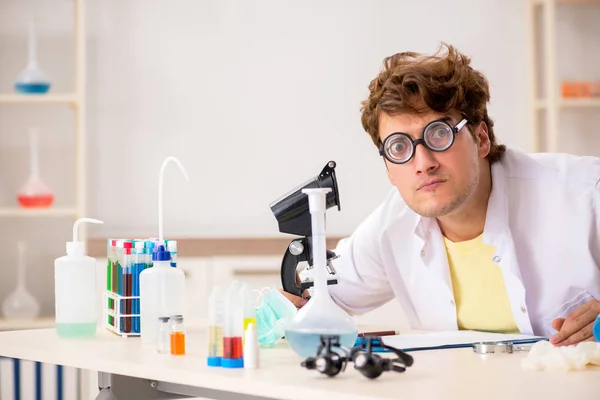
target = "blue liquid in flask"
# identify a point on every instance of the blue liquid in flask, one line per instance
(305, 343)
(32, 88)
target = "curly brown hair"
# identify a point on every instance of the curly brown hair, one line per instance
(415, 83)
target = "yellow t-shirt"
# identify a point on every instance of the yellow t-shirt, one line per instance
(479, 290)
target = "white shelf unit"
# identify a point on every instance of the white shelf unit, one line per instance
(41, 212)
(553, 103)
(16, 325)
(76, 101)
(49, 98)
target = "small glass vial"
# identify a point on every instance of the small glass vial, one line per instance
(177, 335)
(164, 332)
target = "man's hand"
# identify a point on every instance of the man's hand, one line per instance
(577, 327)
(297, 300)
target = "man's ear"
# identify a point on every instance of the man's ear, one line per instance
(483, 139)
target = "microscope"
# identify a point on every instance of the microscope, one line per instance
(293, 216)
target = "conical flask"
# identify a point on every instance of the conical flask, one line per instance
(321, 315)
(20, 304)
(34, 193)
(32, 80)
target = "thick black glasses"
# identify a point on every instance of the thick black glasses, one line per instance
(438, 135)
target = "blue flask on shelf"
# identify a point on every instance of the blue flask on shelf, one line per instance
(32, 80)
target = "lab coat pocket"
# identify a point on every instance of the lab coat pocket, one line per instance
(582, 297)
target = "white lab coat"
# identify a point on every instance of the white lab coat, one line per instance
(543, 218)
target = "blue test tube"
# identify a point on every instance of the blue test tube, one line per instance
(149, 245)
(139, 264)
(172, 247)
(118, 281)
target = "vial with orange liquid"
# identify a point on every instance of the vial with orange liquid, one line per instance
(177, 335)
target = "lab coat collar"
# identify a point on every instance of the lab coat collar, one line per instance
(496, 230)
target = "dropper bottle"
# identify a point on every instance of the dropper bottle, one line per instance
(75, 289)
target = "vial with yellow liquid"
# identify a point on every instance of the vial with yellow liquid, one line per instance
(216, 320)
(248, 300)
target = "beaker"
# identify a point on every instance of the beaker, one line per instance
(34, 193)
(32, 80)
(321, 315)
(20, 304)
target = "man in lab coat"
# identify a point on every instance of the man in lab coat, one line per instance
(473, 235)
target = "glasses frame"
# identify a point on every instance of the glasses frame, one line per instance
(414, 143)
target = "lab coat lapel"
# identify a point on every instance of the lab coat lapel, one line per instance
(433, 250)
(435, 285)
(497, 228)
(497, 233)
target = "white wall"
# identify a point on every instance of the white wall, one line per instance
(253, 97)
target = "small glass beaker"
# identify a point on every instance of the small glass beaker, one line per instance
(163, 343)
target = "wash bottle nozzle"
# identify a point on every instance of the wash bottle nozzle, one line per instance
(160, 191)
(76, 247)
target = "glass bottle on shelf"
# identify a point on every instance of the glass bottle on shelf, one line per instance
(20, 304)
(32, 80)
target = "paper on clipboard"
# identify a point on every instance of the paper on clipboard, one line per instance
(452, 339)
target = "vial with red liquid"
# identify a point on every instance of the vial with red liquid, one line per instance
(233, 331)
(34, 193)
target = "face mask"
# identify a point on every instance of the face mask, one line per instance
(273, 312)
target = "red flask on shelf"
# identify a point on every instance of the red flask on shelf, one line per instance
(34, 193)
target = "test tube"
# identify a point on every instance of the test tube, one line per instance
(109, 266)
(149, 245)
(172, 247)
(177, 335)
(116, 272)
(216, 319)
(139, 264)
(234, 325)
(127, 286)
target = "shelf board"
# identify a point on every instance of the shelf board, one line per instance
(58, 98)
(571, 103)
(16, 325)
(594, 102)
(37, 212)
(569, 1)
(578, 1)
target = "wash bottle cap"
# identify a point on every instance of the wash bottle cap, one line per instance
(77, 248)
(161, 254)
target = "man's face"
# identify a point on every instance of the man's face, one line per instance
(436, 184)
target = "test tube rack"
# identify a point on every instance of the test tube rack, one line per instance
(121, 299)
(124, 324)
